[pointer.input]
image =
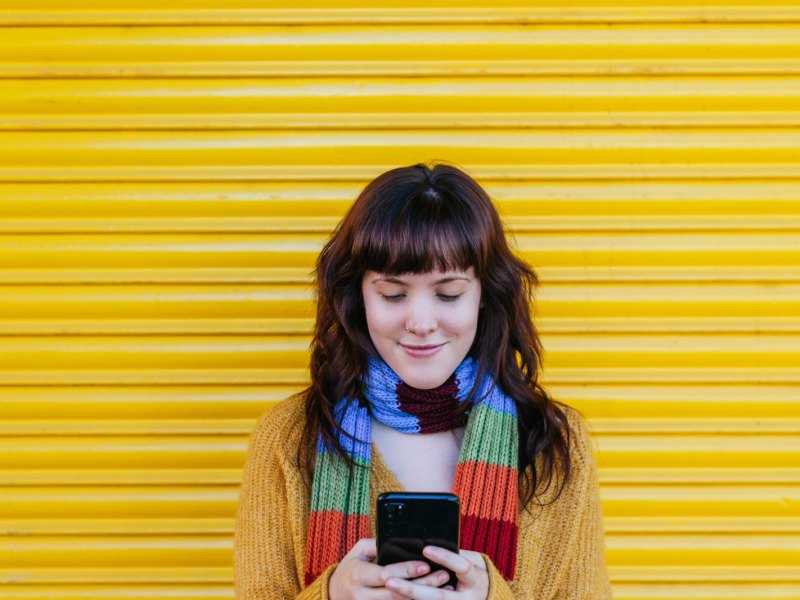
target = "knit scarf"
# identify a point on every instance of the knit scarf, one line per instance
(486, 472)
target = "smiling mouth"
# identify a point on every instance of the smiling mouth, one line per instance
(428, 347)
(421, 351)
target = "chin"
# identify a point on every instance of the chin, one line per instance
(424, 383)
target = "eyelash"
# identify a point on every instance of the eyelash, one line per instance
(443, 297)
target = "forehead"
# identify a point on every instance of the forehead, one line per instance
(427, 278)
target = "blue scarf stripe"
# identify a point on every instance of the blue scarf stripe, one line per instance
(381, 391)
(491, 395)
(354, 420)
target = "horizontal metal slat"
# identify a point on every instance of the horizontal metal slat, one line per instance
(215, 451)
(402, 49)
(699, 451)
(92, 527)
(700, 476)
(708, 591)
(148, 575)
(146, 477)
(144, 427)
(398, 103)
(730, 550)
(698, 500)
(177, 403)
(741, 147)
(43, 12)
(159, 590)
(703, 402)
(113, 500)
(33, 552)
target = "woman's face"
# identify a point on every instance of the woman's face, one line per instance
(423, 324)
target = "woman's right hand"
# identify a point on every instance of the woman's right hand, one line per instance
(358, 577)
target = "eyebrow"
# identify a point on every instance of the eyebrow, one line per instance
(401, 282)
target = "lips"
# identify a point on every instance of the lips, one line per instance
(422, 351)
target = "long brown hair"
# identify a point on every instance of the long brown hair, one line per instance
(417, 219)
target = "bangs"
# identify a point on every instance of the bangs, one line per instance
(420, 235)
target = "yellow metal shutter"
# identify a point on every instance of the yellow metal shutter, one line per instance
(169, 171)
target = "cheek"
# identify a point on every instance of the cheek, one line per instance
(380, 320)
(462, 320)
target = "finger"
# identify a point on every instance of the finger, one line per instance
(465, 571)
(378, 594)
(412, 590)
(407, 570)
(435, 579)
(377, 575)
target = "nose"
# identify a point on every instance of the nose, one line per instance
(421, 318)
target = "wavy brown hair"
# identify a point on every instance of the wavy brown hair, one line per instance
(417, 219)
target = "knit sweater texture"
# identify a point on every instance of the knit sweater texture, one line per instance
(560, 548)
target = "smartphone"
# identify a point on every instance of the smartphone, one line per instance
(409, 521)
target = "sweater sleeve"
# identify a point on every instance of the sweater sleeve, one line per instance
(498, 587)
(583, 574)
(265, 555)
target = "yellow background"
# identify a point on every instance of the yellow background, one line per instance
(169, 170)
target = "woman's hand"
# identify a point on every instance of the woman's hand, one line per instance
(357, 576)
(470, 570)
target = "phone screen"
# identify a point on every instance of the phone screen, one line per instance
(409, 521)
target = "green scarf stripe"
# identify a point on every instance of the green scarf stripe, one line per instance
(328, 493)
(486, 440)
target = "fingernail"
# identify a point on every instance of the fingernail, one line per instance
(422, 569)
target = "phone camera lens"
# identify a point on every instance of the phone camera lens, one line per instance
(390, 508)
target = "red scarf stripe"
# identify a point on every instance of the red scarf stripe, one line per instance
(499, 541)
(503, 480)
(332, 534)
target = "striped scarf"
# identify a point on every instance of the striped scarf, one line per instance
(485, 478)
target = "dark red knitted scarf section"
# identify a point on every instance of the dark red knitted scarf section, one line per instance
(433, 408)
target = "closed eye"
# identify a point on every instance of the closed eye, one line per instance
(395, 298)
(442, 297)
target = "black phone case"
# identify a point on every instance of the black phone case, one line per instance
(409, 521)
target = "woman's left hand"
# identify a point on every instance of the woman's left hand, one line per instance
(470, 570)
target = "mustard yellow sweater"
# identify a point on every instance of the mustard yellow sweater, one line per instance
(560, 553)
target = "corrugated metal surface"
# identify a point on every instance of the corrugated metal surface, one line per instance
(169, 172)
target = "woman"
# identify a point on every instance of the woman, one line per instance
(423, 327)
